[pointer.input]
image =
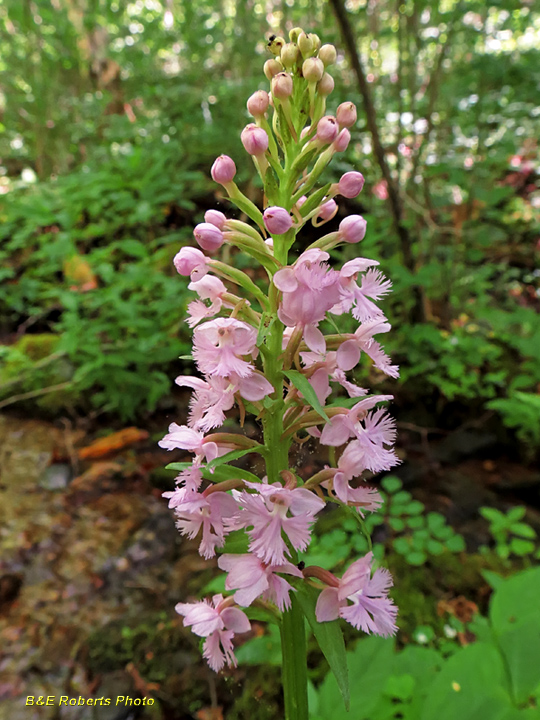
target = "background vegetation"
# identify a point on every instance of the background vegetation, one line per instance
(111, 114)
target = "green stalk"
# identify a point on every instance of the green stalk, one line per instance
(294, 667)
(293, 636)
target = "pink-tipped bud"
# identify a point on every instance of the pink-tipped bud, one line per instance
(313, 69)
(327, 210)
(209, 237)
(327, 129)
(346, 114)
(301, 201)
(223, 170)
(215, 217)
(341, 143)
(325, 85)
(188, 259)
(277, 220)
(254, 139)
(350, 184)
(352, 229)
(258, 103)
(272, 68)
(328, 55)
(282, 85)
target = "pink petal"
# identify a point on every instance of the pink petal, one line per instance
(348, 355)
(235, 620)
(314, 339)
(327, 607)
(285, 280)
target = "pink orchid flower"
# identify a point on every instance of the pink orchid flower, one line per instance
(266, 511)
(371, 609)
(252, 578)
(219, 346)
(217, 622)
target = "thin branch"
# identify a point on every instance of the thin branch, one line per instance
(34, 393)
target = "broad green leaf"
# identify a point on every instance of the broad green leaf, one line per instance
(301, 383)
(516, 601)
(371, 663)
(471, 686)
(329, 637)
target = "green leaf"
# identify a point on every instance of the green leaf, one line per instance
(521, 547)
(455, 544)
(229, 472)
(236, 543)
(470, 686)
(263, 650)
(396, 524)
(329, 637)
(523, 530)
(178, 466)
(302, 384)
(493, 579)
(391, 484)
(416, 558)
(230, 456)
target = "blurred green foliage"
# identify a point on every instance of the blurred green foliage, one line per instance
(111, 114)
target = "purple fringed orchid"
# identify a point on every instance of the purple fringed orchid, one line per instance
(259, 345)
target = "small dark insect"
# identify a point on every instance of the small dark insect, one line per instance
(271, 39)
(301, 565)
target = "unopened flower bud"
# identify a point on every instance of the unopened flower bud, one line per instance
(223, 170)
(215, 217)
(327, 210)
(277, 220)
(258, 103)
(341, 143)
(254, 139)
(289, 55)
(327, 129)
(350, 184)
(272, 67)
(282, 85)
(346, 114)
(325, 85)
(301, 201)
(313, 69)
(352, 229)
(275, 45)
(328, 55)
(188, 259)
(208, 236)
(306, 44)
(294, 34)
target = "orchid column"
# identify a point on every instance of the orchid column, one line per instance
(260, 345)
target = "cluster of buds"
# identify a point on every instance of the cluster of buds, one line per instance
(260, 346)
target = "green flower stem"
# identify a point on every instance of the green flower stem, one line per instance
(294, 668)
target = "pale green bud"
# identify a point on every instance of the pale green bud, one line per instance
(306, 44)
(328, 55)
(294, 34)
(313, 69)
(289, 55)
